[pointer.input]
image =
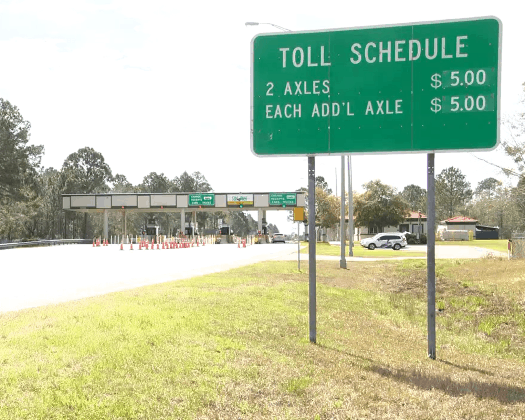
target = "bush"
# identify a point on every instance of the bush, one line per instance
(412, 239)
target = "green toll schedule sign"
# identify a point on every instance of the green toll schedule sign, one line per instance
(421, 87)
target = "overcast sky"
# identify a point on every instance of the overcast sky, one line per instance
(164, 86)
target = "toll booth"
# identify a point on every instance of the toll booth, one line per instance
(224, 230)
(151, 228)
(225, 234)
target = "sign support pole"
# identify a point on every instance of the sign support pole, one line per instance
(350, 210)
(431, 258)
(342, 262)
(312, 294)
(298, 248)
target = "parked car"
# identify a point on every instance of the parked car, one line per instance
(278, 237)
(394, 240)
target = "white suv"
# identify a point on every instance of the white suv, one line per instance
(394, 240)
(278, 237)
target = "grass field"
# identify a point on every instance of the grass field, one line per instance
(494, 244)
(324, 248)
(234, 345)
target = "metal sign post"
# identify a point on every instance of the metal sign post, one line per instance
(298, 216)
(298, 248)
(342, 262)
(312, 238)
(431, 258)
(350, 210)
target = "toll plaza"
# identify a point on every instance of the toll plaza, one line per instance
(183, 203)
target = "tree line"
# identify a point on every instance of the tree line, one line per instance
(31, 202)
(381, 205)
(31, 206)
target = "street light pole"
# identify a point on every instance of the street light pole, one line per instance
(312, 237)
(267, 23)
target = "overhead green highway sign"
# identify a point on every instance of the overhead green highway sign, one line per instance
(282, 199)
(201, 199)
(421, 87)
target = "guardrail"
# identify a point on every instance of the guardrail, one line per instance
(44, 242)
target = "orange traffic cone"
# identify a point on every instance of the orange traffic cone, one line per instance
(121, 246)
(131, 246)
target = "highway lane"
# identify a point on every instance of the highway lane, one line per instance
(47, 275)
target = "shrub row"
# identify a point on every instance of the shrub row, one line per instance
(412, 239)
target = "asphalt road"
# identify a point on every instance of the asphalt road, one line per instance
(47, 275)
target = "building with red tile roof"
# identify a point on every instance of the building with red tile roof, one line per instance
(415, 215)
(454, 225)
(460, 219)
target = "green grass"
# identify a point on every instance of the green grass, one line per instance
(235, 345)
(324, 248)
(499, 245)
